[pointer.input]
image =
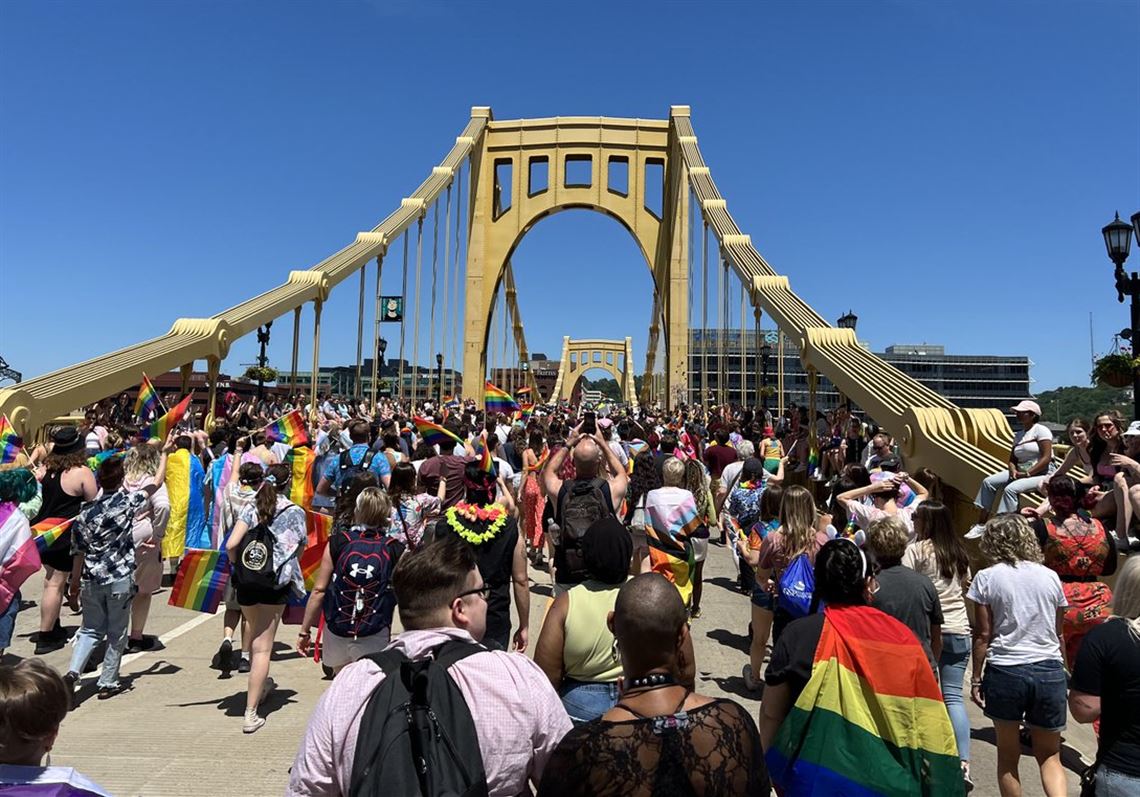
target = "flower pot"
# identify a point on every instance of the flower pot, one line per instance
(1117, 379)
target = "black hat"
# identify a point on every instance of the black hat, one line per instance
(66, 440)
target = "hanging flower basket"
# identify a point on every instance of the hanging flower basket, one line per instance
(1116, 370)
(255, 373)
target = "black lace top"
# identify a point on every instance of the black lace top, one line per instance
(711, 750)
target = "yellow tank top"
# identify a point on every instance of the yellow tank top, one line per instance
(588, 650)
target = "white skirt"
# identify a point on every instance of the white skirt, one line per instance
(337, 651)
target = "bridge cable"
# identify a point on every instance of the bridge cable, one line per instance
(376, 364)
(416, 322)
(434, 278)
(444, 325)
(508, 376)
(455, 293)
(743, 352)
(403, 315)
(722, 299)
(357, 393)
(704, 311)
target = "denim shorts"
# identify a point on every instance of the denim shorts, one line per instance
(763, 599)
(1034, 693)
(585, 701)
(8, 621)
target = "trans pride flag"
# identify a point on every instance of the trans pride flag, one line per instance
(871, 720)
(672, 515)
(19, 554)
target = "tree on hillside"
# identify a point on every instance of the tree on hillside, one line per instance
(1065, 403)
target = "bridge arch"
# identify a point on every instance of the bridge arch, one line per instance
(527, 170)
(615, 357)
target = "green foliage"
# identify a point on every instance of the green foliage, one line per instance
(1065, 403)
(266, 374)
(1116, 367)
(608, 387)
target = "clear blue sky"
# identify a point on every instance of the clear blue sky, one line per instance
(941, 168)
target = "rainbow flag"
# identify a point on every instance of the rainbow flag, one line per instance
(495, 400)
(289, 428)
(103, 456)
(48, 531)
(201, 580)
(812, 460)
(862, 728)
(525, 411)
(147, 402)
(486, 463)
(300, 461)
(671, 523)
(319, 527)
(434, 434)
(523, 391)
(11, 444)
(161, 427)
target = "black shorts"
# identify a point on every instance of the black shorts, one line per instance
(58, 555)
(256, 596)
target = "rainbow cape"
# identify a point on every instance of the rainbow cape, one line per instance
(289, 428)
(434, 434)
(495, 400)
(49, 530)
(300, 461)
(147, 402)
(161, 427)
(871, 720)
(201, 580)
(672, 518)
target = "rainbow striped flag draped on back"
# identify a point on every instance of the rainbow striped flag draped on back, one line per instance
(289, 428)
(496, 400)
(671, 516)
(871, 720)
(10, 443)
(147, 402)
(161, 427)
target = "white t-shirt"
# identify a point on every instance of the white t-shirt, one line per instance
(1024, 601)
(920, 557)
(1026, 448)
(865, 515)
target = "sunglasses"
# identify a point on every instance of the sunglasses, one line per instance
(483, 592)
(1105, 425)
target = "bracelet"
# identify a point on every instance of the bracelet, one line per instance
(303, 634)
(975, 682)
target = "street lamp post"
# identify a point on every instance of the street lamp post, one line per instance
(382, 345)
(438, 380)
(262, 359)
(765, 353)
(1117, 241)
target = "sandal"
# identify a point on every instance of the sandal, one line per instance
(110, 691)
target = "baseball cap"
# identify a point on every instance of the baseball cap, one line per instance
(1028, 406)
(1133, 429)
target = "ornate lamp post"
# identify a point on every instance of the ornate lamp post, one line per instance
(382, 345)
(1117, 241)
(848, 321)
(262, 359)
(438, 379)
(765, 353)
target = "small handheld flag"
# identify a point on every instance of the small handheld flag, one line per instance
(147, 402)
(48, 531)
(496, 400)
(289, 428)
(201, 580)
(104, 456)
(434, 434)
(161, 427)
(10, 443)
(486, 463)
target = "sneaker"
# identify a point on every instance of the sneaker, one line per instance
(750, 683)
(266, 690)
(224, 658)
(966, 777)
(252, 721)
(975, 532)
(243, 665)
(141, 644)
(695, 613)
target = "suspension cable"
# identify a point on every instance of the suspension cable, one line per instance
(376, 364)
(445, 327)
(455, 293)
(743, 350)
(431, 318)
(416, 323)
(704, 311)
(403, 315)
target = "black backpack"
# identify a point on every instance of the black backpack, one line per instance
(417, 736)
(349, 470)
(581, 504)
(253, 565)
(359, 599)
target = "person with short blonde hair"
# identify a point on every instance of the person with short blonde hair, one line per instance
(905, 594)
(1106, 687)
(373, 508)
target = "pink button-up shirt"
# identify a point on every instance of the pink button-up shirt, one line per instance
(517, 714)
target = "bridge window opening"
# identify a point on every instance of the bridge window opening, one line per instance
(503, 184)
(597, 356)
(609, 358)
(655, 186)
(579, 171)
(617, 175)
(620, 364)
(538, 178)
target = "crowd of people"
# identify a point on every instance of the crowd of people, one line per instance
(867, 605)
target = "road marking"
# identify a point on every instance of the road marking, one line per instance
(166, 638)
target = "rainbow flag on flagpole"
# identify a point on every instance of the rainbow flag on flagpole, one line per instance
(11, 444)
(161, 427)
(525, 411)
(486, 463)
(147, 402)
(48, 531)
(434, 434)
(201, 580)
(496, 400)
(860, 727)
(289, 428)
